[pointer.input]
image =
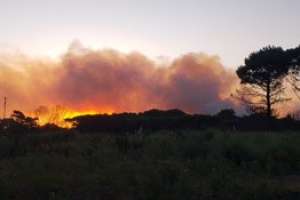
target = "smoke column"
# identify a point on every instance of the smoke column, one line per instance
(110, 81)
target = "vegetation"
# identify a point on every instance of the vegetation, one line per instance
(155, 120)
(262, 79)
(150, 165)
(266, 75)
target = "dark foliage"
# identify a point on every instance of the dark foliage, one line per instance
(294, 73)
(191, 165)
(18, 123)
(154, 120)
(262, 79)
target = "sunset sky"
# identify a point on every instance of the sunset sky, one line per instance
(230, 29)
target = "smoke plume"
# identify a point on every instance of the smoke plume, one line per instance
(110, 81)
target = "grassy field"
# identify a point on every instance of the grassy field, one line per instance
(162, 165)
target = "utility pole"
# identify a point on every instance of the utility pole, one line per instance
(4, 107)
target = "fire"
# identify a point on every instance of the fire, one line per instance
(57, 115)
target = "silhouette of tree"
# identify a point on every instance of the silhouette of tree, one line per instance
(262, 79)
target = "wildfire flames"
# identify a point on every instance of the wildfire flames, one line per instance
(58, 114)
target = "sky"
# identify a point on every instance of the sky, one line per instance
(230, 29)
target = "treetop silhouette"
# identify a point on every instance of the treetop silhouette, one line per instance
(262, 79)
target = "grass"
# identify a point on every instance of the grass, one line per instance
(151, 166)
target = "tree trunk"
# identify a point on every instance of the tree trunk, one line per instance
(268, 96)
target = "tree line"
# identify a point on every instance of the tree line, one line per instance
(176, 120)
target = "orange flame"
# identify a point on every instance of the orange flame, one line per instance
(57, 115)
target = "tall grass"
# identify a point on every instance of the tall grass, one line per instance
(161, 165)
